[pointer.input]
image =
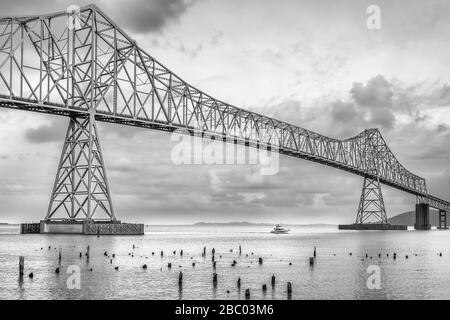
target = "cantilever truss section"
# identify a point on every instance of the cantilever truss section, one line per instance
(371, 206)
(81, 188)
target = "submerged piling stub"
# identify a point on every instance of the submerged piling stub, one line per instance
(21, 265)
(289, 290)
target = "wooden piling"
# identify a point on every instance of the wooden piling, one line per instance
(169, 265)
(314, 251)
(57, 270)
(240, 250)
(181, 252)
(264, 288)
(204, 251)
(239, 283)
(247, 294)
(289, 290)
(60, 255)
(260, 261)
(162, 253)
(180, 279)
(144, 266)
(21, 265)
(273, 281)
(215, 279)
(311, 261)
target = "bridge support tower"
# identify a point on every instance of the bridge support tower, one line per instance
(371, 207)
(442, 219)
(371, 210)
(422, 216)
(80, 201)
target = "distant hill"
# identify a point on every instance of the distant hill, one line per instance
(409, 218)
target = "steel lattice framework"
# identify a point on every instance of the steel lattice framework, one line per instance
(82, 65)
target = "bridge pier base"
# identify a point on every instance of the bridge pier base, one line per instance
(422, 217)
(442, 219)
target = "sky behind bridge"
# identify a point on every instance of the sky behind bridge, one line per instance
(311, 63)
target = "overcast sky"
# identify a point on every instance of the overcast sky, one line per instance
(312, 63)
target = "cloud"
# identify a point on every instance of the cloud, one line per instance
(54, 131)
(138, 16)
(143, 16)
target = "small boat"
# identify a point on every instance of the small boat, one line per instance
(279, 229)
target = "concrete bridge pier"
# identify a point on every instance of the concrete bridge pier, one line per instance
(442, 219)
(422, 217)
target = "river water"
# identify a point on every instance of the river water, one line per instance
(340, 270)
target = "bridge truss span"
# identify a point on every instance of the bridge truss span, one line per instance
(81, 64)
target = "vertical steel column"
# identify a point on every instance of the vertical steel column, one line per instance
(443, 219)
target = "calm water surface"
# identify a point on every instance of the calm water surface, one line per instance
(335, 275)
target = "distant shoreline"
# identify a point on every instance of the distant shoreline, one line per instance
(241, 224)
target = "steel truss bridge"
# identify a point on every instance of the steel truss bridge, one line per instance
(80, 64)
